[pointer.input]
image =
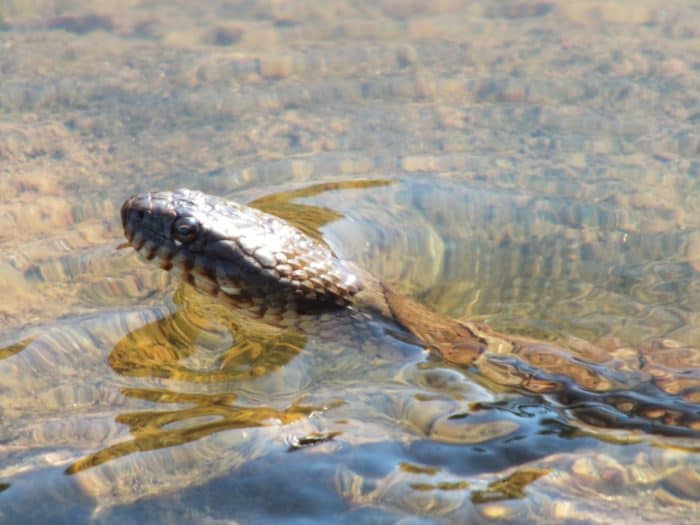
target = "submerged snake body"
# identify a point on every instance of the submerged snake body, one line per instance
(269, 269)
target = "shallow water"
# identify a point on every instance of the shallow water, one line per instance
(531, 165)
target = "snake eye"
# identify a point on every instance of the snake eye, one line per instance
(185, 228)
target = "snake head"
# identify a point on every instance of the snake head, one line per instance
(223, 247)
(160, 226)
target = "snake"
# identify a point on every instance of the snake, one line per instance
(270, 270)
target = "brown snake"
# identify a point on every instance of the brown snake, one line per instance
(269, 269)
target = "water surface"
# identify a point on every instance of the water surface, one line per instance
(531, 165)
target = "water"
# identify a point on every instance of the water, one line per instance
(534, 166)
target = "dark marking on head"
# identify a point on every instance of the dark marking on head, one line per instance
(166, 262)
(139, 244)
(187, 265)
(208, 269)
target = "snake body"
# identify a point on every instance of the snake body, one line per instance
(271, 270)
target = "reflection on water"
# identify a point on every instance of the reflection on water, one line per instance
(532, 166)
(310, 219)
(228, 350)
(160, 429)
(173, 348)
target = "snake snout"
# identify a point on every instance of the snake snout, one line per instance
(134, 214)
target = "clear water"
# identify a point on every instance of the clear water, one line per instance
(534, 165)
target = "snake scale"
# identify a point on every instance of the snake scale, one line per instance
(270, 270)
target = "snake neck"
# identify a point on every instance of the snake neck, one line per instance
(454, 341)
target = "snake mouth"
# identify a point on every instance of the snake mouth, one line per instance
(146, 220)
